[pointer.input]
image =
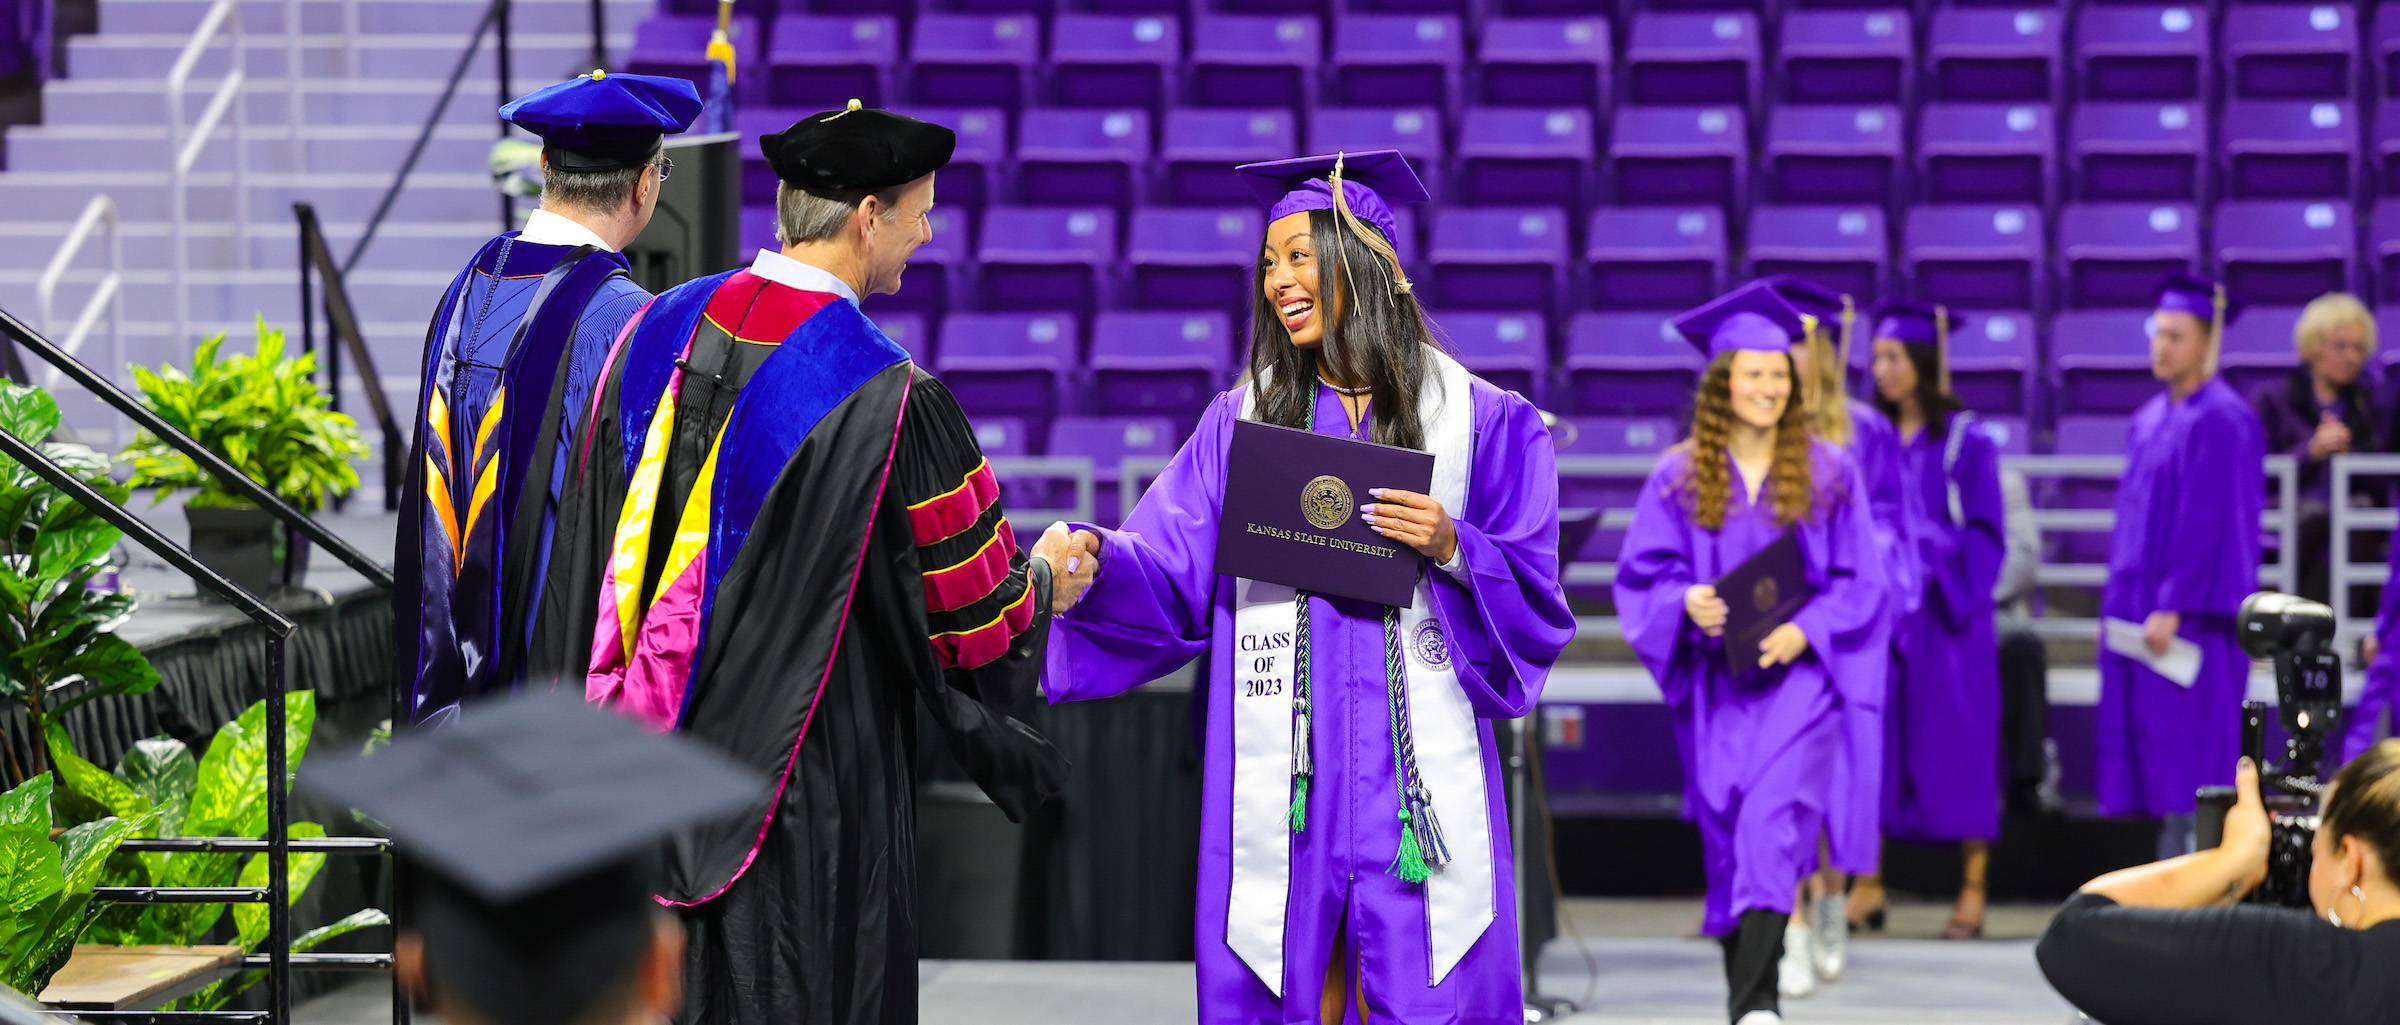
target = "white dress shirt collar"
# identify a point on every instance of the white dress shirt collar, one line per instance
(791, 273)
(543, 227)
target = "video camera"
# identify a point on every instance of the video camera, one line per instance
(2297, 635)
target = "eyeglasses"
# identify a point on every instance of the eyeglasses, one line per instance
(666, 166)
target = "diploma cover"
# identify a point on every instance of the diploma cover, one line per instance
(1762, 593)
(1291, 513)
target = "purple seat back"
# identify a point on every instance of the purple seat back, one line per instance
(758, 179)
(1107, 440)
(2285, 252)
(1511, 350)
(1498, 258)
(2090, 435)
(1630, 364)
(1992, 362)
(974, 59)
(2010, 433)
(2383, 247)
(911, 331)
(1397, 59)
(1834, 154)
(2290, 149)
(1978, 257)
(937, 271)
(821, 61)
(1047, 257)
(1544, 62)
(1987, 153)
(2386, 152)
(2291, 51)
(2139, 151)
(1847, 56)
(1249, 60)
(1113, 60)
(2143, 52)
(1168, 364)
(1525, 155)
(2386, 52)
(1841, 248)
(1008, 364)
(2113, 255)
(1655, 257)
(1620, 436)
(972, 178)
(1994, 54)
(1194, 258)
(1001, 437)
(1415, 131)
(2102, 362)
(676, 45)
(1693, 57)
(1200, 148)
(2259, 347)
(1077, 156)
(1670, 156)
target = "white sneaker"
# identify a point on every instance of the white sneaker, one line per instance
(1831, 917)
(1796, 976)
(1761, 1018)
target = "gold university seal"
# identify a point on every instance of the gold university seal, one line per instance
(1762, 594)
(1326, 502)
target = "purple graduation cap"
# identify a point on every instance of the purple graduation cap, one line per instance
(1818, 306)
(1917, 322)
(1372, 182)
(1752, 318)
(2199, 297)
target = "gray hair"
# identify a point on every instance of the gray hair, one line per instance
(596, 191)
(814, 215)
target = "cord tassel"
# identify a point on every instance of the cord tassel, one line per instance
(1302, 765)
(1429, 828)
(1409, 864)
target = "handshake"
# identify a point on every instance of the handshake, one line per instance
(1074, 561)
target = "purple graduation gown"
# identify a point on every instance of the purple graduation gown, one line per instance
(1159, 602)
(1944, 768)
(1854, 808)
(1760, 748)
(2376, 686)
(2186, 541)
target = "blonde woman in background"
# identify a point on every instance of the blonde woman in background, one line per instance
(2323, 409)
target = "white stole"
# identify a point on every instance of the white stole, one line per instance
(1458, 896)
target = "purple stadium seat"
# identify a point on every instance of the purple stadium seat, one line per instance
(1241, 60)
(1665, 156)
(2386, 55)
(1655, 258)
(1160, 364)
(1992, 363)
(2113, 255)
(2102, 359)
(908, 329)
(676, 45)
(1193, 258)
(2258, 347)
(1009, 364)
(758, 180)
(2011, 434)
(1498, 258)
(974, 59)
(1847, 57)
(1073, 157)
(1834, 154)
(2386, 155)
(1693, 57)
(1630, 364)
(1397, 59)
(2290, 149)
(1843, 248)
(972, 177)
(821, 61)
(1994, 54)
(1511, 350)
(2291, 51)
(1113, 60)
(2387, 325)
(1415, 131)
(2148, 52)
(2383, 248)
(1987, 153)
(1002, 437)
(1201, 147)
(1978, 256)
(1046, 258)
(1107, 441)
(2146, 151)
(2285, 252)
(1521, 155)
(758, 229)
(1620, 435)
(938, 271)
(2093, 435)
(1543, 62)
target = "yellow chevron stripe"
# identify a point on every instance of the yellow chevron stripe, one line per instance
(631, 547)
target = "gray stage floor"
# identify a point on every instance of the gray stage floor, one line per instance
(1648, 974)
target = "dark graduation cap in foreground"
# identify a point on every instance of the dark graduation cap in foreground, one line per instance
(857, 147)
(532, 826)
(601, 122)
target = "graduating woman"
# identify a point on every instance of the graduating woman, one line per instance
(1943, 777)
(1354, 853)
(1762, 738)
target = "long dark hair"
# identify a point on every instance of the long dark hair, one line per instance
(1375, 334)
(1708, 484)
(1936, 400)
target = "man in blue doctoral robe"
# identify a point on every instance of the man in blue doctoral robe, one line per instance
(510, 358)
(2183, 556)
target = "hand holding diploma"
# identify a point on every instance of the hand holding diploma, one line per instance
(2158, 631)
(1074, 561)
(1708, 611)
(1783, 646)
(1415, 520)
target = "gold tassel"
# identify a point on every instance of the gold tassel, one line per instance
(2216, 327)
(1941, 343)
(720, 42)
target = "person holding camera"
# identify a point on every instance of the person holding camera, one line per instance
(2155, 943)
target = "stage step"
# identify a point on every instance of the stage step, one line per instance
(533, 57)
(266, 18)
(357, 149)
(143, 195)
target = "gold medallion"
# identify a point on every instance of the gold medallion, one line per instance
(1763, 595)
(1326, 502)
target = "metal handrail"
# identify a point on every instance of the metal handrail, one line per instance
(492, 14)
(341, 325)
(2342, 472)
(108, 296)
(185, 144)
(1075, 468)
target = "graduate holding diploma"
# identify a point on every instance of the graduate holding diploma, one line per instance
(1762, 742)
(1354, 850)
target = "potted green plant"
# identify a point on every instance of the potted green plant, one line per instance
(46, 883)
(266, 415)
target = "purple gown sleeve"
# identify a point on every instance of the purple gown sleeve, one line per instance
(1878, 444)
(1971, 552)
(1506, 614)
(2213, 562)
(1846, 618)
(1150, 609)
(1655, 566)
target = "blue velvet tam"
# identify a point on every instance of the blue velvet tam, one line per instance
(1915, 322)
(1372, 181)
(2195, 295)
(1750, 318)
(602, 122)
